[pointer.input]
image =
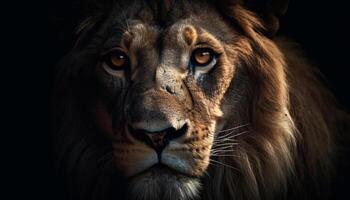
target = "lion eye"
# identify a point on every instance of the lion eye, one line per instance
(116, 59)
(202, 57)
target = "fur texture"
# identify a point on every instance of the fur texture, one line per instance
(259, 120)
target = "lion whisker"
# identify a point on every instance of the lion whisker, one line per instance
(215, 155)
(223, 164)
(231, 130)
(224, 135)
(224, 141)
(229, 137)
(229, 134)
(225, 144)
(234, 128)
(223, 151)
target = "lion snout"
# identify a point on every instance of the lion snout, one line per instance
(154, 111)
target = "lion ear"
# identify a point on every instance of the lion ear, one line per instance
(269, 11)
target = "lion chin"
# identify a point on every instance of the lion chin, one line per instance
(160, 182)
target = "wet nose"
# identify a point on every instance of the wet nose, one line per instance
(158, 140)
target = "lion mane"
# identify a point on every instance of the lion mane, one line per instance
(289, 153)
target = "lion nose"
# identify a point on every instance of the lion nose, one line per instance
(158, 140)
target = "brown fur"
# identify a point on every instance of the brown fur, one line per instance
(286, 152)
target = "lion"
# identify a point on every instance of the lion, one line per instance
(192, 99)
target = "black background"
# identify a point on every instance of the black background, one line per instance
(322, 27)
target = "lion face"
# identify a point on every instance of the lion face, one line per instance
(162, 89)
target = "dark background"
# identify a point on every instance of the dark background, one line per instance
(321, 27)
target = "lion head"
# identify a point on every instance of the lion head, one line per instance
(185, 100)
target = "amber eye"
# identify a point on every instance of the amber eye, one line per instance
(202, 57)
(116, 59)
